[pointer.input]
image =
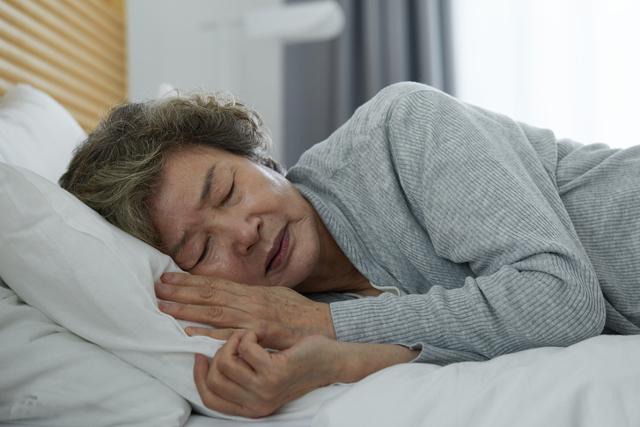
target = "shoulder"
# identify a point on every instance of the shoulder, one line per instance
(415, 103)
(363, 139)
(396, 97)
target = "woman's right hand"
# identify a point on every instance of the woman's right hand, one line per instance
(245, 379)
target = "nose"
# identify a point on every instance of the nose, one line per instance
(242, 233)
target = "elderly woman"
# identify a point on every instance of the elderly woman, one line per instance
(423, 230)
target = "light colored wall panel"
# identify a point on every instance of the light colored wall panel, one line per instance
(72, 50)
(201, 45)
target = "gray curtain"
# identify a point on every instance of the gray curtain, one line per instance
(384, 41)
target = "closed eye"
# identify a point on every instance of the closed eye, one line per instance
(231, 190)
(204, 253)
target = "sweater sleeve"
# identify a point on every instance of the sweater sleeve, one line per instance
(477, 184)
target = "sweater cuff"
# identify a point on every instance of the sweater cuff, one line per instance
(382, 320)
(371, 320)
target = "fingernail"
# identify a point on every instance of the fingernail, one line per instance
(188, 330)
(168, 277)
(164, 306)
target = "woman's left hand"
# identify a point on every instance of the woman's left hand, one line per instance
(245, 379)
(279, 315)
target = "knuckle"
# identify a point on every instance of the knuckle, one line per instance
(238, 334)
(262, 328)
(242, 348)
(207, 293)
(214, 312)
(225, 365)
(177, 309)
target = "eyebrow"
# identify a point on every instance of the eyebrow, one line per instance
(204, 195)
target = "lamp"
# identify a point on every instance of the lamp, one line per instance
(289, 23)
(296, 23)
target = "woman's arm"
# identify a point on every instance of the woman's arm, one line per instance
(245, 379)
(483, 188)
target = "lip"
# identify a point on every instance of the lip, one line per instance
(279, 251)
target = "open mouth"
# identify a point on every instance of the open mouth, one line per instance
(278, 252)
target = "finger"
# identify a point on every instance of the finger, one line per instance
(231, 365)
(211, 399)
(219, 334)
(200, 295)
(217, 316)
(186, 279)
(232, 391)
(255, 355)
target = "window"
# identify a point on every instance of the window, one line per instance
(570, 66)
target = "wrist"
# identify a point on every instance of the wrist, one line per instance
(324, 324)
(355, 361)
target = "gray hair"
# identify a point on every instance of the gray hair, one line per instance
(115, 170)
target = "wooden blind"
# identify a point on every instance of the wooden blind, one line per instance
(74, 50)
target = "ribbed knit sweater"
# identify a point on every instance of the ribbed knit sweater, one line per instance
(498, 237)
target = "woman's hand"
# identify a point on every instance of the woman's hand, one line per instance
(245, 379)
(279, 315)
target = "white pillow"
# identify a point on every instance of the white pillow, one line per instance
(36, 132)
(50, 377)
(97, 281)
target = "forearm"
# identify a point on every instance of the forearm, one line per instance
(358, 360)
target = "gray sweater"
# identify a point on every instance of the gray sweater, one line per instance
(498, 237)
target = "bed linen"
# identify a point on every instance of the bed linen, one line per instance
(202, 421)
(594, 383)
(52, 378)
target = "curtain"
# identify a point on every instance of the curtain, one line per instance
(384, 41)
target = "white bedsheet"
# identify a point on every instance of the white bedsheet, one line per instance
(595, 383)
(202, 421)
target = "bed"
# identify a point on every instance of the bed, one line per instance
(73, 352)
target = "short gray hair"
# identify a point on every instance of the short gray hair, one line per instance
(118, 166)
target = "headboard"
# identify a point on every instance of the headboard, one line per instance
(74, 50)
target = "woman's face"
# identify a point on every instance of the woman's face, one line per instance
(220, 214)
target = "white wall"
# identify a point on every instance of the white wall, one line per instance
(568, 65)
(200, 45)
